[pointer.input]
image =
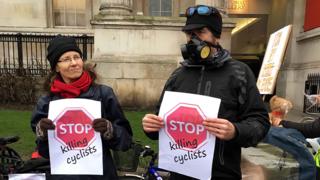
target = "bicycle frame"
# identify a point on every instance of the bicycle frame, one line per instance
(152, 171)
(151, 174)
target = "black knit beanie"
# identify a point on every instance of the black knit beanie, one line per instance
(58, 46)
(212, 21)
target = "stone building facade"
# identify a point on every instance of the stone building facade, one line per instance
(137, 42)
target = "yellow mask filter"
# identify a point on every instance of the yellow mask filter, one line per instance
(205, 52)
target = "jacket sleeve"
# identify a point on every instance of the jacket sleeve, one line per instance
(122, 133)
(167, 87)
(308, 129)
(253, 122)
(41, 111)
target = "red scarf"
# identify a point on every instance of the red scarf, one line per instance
(277, 113)
(73, 89)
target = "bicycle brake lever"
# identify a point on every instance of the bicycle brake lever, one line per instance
(8, 140)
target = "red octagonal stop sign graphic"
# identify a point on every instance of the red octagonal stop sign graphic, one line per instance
(184, 126)
(74, 128)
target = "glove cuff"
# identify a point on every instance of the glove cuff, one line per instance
(108, 134)
(39, 133)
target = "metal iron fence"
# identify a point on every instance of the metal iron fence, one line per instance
(25, 54)
(312, 87)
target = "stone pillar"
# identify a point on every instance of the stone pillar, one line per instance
(135, 54)
(116, 7)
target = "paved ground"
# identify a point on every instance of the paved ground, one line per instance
(267, 162)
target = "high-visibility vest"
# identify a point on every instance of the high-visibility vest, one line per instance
(317, 158)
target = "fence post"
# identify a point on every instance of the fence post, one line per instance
(84, 41)
(20, 54)
(306, 91)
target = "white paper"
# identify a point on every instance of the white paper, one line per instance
(36, 176)
(272, 60)
(79, 155)
(192, 152)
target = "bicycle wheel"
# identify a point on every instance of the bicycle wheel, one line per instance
(130, 177)
(153, 177)
(10, 161)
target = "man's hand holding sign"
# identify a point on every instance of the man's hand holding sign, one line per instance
(221, 128)
(152, 123)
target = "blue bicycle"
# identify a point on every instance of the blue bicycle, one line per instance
(152, 172)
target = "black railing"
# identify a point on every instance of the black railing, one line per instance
(25, 54)
(312, 87)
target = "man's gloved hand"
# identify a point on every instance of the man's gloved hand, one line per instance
(42, 128)
(103, 126)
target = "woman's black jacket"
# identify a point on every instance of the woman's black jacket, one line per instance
(111, 110)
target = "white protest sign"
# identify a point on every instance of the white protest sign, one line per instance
(74, 146)
(185, 146)
(27, 176)
(272, 60)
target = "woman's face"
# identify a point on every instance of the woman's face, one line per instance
(70, 66)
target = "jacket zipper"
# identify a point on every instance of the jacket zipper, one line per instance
(221, 143)
(200, 80)
(221, 150)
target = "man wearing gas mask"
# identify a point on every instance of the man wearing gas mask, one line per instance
(209, 70)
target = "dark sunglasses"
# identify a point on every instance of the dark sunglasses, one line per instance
(201, 10)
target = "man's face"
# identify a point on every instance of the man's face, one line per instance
(204, 34)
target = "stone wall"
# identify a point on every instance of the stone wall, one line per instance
(301, 57)
(135, 55)
(21, 13)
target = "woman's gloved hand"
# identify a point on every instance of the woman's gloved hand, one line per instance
(42, 128)
(103, 126)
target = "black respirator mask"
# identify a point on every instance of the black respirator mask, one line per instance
(197, 50)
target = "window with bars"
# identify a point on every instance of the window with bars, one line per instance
(69, 12)
(160, 7)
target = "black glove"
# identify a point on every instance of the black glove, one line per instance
(103, 126)
(43, 126)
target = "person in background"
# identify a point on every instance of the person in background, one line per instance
(279, 108)
(291, 136)
(70, 77)
(209, 70)
(308, 129)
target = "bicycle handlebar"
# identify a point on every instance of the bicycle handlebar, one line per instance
(8, 140)
(147, 151)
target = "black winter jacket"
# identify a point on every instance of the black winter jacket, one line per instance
(111, 110)
(234, 83)
(308, 129)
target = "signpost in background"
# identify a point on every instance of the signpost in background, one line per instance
(272, 61)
